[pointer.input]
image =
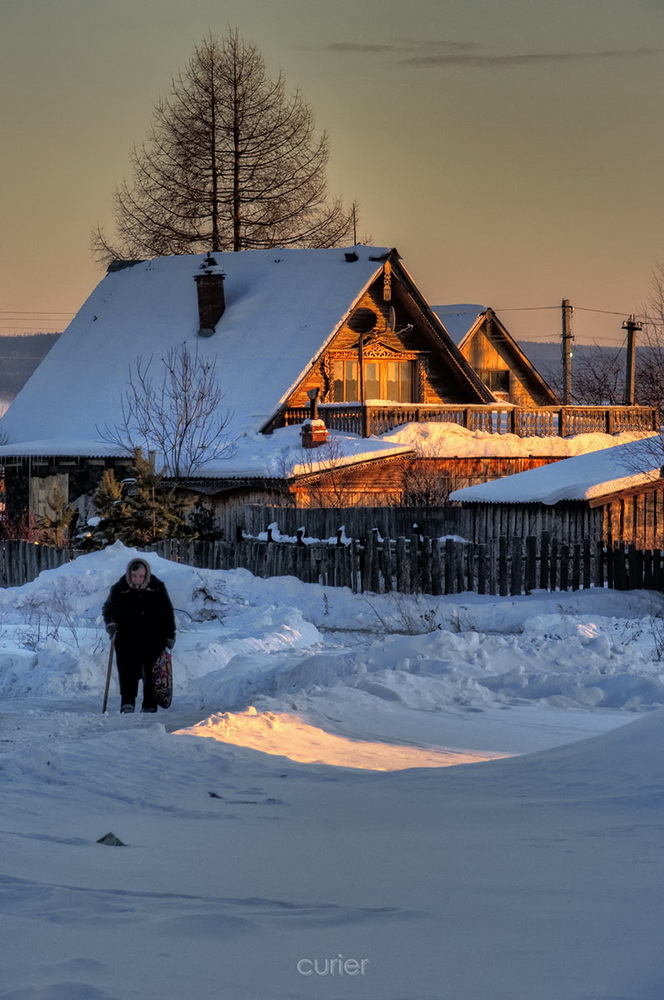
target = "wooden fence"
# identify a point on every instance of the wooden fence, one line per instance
(21, 562)
(572, 521)
(505, 566)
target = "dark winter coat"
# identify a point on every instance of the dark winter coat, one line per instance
(143, 618)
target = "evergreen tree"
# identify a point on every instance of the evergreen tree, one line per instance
(139, 511)
(54, 526)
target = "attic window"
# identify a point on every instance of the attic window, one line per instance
(496, 379)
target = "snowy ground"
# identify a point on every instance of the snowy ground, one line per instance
(291, 826)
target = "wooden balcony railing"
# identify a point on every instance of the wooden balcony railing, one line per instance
(545, 421)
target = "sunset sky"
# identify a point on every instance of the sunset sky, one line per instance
(511, 150)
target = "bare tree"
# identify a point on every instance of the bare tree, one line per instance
(230, 162)
(178, 416)
(423, 484)
(650, 355)
(599, 376)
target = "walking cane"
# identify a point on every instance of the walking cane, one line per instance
(108, 675)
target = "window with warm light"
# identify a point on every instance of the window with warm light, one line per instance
(383, 379)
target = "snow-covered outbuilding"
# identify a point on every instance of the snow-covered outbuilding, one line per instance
(612, 495)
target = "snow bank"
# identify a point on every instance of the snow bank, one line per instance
(447, 440)
(244, 641)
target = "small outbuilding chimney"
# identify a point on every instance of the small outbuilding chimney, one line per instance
(314, 431)
(211, 298)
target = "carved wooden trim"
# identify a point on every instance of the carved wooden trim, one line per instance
(327, 377)
(375, 350)
(422, 379)
(387, 281)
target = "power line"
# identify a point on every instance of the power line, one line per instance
(529, 309)
(606, 312)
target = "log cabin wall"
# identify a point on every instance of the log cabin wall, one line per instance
(433, 381)
(387, 482)
(440, 382)
(483, 351)
(483, 355)
(344, 345)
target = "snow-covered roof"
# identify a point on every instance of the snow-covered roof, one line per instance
(282, 307)
(583, 477)
(458, 319)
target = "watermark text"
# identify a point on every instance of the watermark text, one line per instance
(338, 966)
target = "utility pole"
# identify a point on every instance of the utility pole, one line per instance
(567, 341)
(630, 380)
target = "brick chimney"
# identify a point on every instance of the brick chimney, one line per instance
(211, 298)
(314, 431)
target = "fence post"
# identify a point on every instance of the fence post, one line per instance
(403, 566)
(516, 567)
(481, 568)
(426, 556)
(502, 566)
(564, 566)
(635, 568)
(415, 561)
(576, 566)
(545, 581)
(587, 557)
(599, 564)
(355, 566)
(531, 564)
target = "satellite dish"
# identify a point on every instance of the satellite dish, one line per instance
(391, 320)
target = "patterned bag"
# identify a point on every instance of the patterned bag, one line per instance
(162, 680)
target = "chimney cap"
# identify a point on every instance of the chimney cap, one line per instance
(210, 266)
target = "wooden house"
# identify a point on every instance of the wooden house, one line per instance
(487, 345)
(346, 326)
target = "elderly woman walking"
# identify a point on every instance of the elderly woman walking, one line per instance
(139, 616)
